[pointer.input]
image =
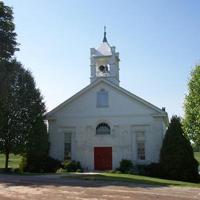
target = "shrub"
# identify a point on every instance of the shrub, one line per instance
(126, 166)
(33, 164)
(22, 164)
(51, 165)
(47, 165)
(177, 158)
(154, 170)
(72, 166)
(79, 170)
(141, 169)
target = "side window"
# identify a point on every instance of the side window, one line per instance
(67, 146)
(102, 98)
(140, 143)
(103, 129)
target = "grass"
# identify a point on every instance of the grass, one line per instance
(14, 161)
(132, 179)
(197, 156)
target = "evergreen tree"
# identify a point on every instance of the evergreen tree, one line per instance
(192, 108)
(36, 152)
(177, 157)
(8, 44)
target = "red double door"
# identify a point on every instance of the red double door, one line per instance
(102, 158)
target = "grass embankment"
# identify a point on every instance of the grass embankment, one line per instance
(132, 179)
(15, 160)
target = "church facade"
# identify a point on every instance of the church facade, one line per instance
(104, 123)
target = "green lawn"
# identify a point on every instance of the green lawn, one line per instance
(197, 156)
(132, 179)
(14, 161)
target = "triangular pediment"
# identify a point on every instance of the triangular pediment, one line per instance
(121, 99)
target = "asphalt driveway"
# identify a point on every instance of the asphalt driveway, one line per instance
(54, 187)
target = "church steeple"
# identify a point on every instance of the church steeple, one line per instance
(104, 37)
(104, 62)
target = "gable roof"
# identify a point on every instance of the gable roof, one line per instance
(122, 90)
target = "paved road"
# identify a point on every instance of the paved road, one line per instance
(57, 188)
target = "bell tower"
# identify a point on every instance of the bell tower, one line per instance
(104, 62)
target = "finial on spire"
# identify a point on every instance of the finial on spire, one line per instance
(104, 37)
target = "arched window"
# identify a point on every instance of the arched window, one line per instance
(102, 98)
(103, 129)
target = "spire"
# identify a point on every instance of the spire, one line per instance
(104, 37)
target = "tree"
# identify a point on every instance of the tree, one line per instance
(10, 113)
(22, 127)
(7, 35)
(192, 108)
(36, 152)
(9, 69)
(177, 157)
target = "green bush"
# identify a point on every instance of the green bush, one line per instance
(51, 165)
(22, 164)
(72, 166)
(126, 166)
(48, 165)
(141, 169)
(177, 158)
(79, 170)
(33, 164)
(154, 170)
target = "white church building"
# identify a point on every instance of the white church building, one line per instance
(104, 123)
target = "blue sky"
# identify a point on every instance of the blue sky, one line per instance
(158, 42)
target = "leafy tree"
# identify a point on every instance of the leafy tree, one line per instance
(22, 127)
(11, 125)
(9, 71)
(7, 35)
(177, 157)
(192, 108)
